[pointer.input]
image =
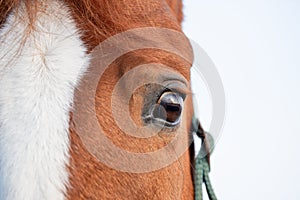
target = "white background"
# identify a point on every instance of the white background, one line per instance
(255, 46)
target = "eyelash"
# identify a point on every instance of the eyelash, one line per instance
(163, 90)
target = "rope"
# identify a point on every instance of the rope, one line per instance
(202, 163)
(202, 171)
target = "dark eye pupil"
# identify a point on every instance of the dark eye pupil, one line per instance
(169, 107)
(172, 110)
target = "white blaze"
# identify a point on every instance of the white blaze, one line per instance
(37, 83)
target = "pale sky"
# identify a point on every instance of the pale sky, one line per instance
(255, 46)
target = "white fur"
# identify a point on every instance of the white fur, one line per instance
(36, 92)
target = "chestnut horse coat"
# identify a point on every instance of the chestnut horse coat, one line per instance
(45, 50)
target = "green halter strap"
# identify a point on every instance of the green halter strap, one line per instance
(202, 163)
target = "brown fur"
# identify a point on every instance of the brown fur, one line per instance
(100, 19)
(172, 182)
(89, 178)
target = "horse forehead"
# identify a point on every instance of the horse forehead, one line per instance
(107, 18)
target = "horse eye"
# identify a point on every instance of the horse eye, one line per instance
(168, 108)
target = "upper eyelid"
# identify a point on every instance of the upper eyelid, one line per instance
(178, 85)
(181, 93)
(181, 89)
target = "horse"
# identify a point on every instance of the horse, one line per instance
(46, 48)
